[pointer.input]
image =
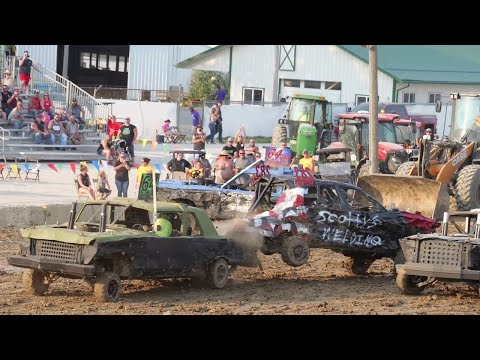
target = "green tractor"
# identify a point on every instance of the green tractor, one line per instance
(306, 124)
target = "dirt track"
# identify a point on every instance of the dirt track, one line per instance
(322, 286)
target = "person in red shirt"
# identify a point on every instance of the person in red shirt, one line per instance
(113, 127)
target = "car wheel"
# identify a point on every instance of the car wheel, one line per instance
(295, 251)
(409, 283)
(107, 287)
(35, 281)
(218, 273)
(359, 264)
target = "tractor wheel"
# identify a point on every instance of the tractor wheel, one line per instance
(107, 287)
(279, 135)
(35, 282)
(217, 276)
(405, 168)
(295, 251)
(467, 188)
(409, 283)
(364, 170)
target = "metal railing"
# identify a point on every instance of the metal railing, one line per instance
(62, 91)
(117, 93)
(3, 138)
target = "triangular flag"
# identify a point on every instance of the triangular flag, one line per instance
(144, 142)
(154, 144)
(52, 166)
(84, 163)
(176, 147)
(60, 166)
(95, 163)
(158, 167)
(136, 166)
(14, 168)
(72, 166)
(27, 166)
(2, 166)
(166, 148)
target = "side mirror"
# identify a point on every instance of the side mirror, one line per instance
(438, 106)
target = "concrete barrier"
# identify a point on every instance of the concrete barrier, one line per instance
(20, 216)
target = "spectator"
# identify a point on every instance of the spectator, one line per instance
(34, 105)
(64, 117)
(212, 125)
(199, 139)
(76, 110)
(57, 131)
(39, 131)
(145, 168)
(205, 165)
(49, 107)
(258, 156)
(196, 119)
(240, 138)
(73, 132)
(105, 147)
(6, 94)
(250, 150)
(3, 115)
(239, 164)
(8, 80)
(221, 94)
(223, 168)
(16, 116)
(113, 127)
(45, 118)
(85, 183)
(219, 126)
(25, 69)
(307, 162)
(121, 167)
(229, 148)
(104, 189)
(235, 155)
(178, 164)
(128, 132)
(12, 101)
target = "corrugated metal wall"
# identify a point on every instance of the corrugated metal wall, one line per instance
(330, 63)
(219, 61)
(43, 54)
(252, 66)
(152, 67)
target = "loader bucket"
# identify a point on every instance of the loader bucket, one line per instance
(408, 193)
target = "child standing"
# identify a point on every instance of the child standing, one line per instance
(104, 189)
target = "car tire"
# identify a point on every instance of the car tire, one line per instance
(34, 281)
(408, 283)
(295, 251)
(359, 265)
(218, 273)
(107, 287)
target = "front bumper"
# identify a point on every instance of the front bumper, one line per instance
(439, 272)
(34, 262)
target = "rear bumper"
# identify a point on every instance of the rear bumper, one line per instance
(51, 266)
(439, 272)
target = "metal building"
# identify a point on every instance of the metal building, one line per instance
(143, 67)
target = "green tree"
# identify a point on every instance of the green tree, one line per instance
(204, 84)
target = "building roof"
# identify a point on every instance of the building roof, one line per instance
(458, 64)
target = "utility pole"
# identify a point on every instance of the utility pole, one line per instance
(373, 110)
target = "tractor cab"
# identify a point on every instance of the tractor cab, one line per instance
(465, 125)
(307, 121)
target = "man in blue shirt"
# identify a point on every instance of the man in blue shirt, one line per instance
(221, 94)
(196, 120)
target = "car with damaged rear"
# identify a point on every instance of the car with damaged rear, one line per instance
(335, 215)
(107, 241)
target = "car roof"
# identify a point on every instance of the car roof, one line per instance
(140, 204)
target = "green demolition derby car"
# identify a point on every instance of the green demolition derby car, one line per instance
(109, 240)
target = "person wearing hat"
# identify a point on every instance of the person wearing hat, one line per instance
(144, 168)
(8, 81)
(204, 165)
(129, 133)
(223, 168)
(85, 183)
(199, 138)
(76, 110)
(196, 119)
(229, 148)
(121, 167)
(428, 134)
